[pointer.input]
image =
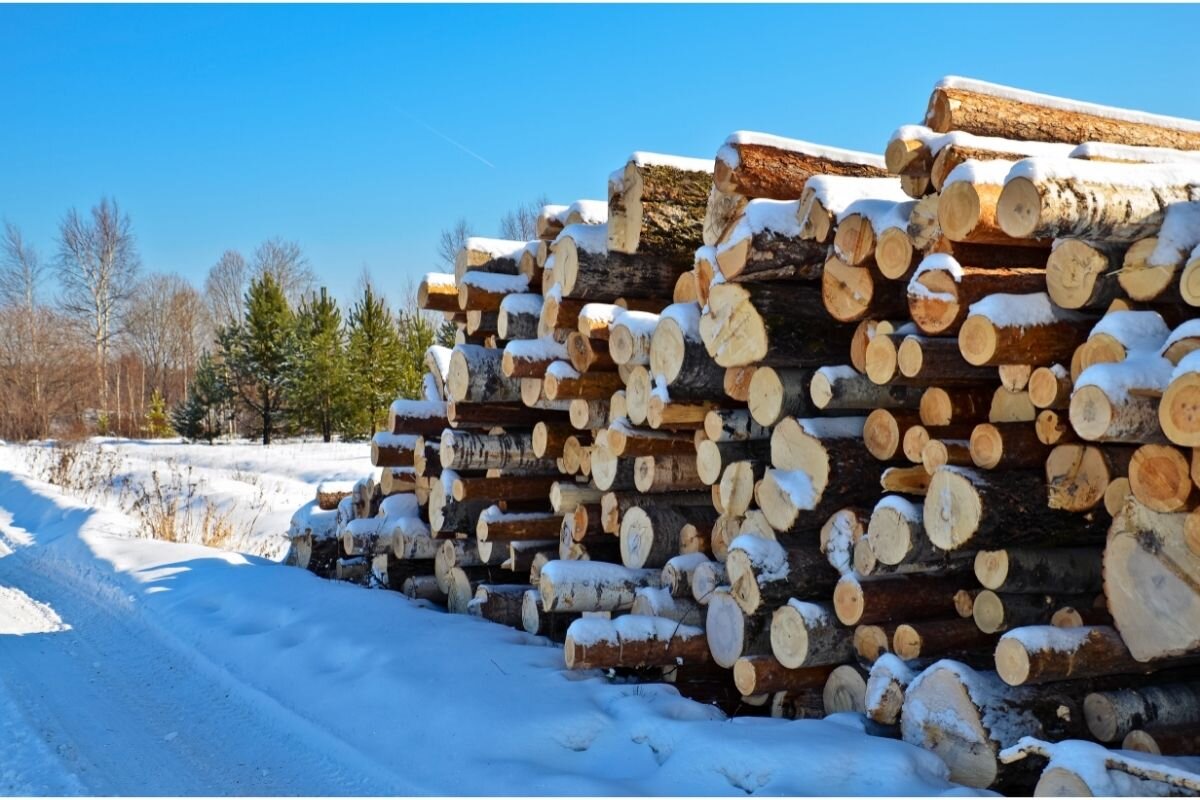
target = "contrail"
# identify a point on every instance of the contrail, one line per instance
(459, 145)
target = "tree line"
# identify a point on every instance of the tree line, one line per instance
(91, 343)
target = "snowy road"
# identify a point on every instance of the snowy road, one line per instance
(132, 666)
(120, 709)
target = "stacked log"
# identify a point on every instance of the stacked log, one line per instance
(909, 436)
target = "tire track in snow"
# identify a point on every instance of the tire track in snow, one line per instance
(110, 705)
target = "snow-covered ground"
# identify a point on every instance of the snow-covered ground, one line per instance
(135, 666)
(236, 496)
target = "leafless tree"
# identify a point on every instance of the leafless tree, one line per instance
(21, 272)
(148, 323)
(521, 222)
(195, 331)
(97, 267)
(225, 286)
(25, 325)
(451, 240)
(288, 265)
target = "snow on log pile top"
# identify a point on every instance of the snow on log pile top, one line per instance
(684, 163)
(590, 212)
(1138, 331)
(883, 214)
(938, 262)
(936, 142)
(1179, 236)
(495, 248)
(426, 409)
(1105, 151)
(990, 173)
(589, 238)
(1109, 173)
(836, 192)
(441, 280)
(777, 217)
(521, 303)
(1145, 372)
(496, 281)
(1066, 104)
(1022, 310)
(728, 153)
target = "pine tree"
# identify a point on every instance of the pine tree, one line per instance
(318, 388)
(188, 417)
(207, 405)
(416, 334)
(259, 352)
(375, 372)
(157, 425)
(210, 386)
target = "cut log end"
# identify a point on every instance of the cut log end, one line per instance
(1020, 208)
(953, 509)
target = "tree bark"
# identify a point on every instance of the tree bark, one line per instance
(807, 634)
(972, 510)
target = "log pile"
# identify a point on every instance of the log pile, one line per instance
(806, 430)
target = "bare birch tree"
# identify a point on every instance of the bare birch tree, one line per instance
(225, 286)
(25, 324)
(288, 265)
(97, 269)
(521, 222)
(450, 241)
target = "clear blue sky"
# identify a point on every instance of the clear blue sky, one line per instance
(219, 126)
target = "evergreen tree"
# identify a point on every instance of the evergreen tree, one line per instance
(188, 417)
(416, 334)
(210, 386)
(318, 389)
(375, 371)
(259, 352)
(157, 425)
(202, 413)
(446, 333)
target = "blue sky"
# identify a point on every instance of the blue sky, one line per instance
(219, 126)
